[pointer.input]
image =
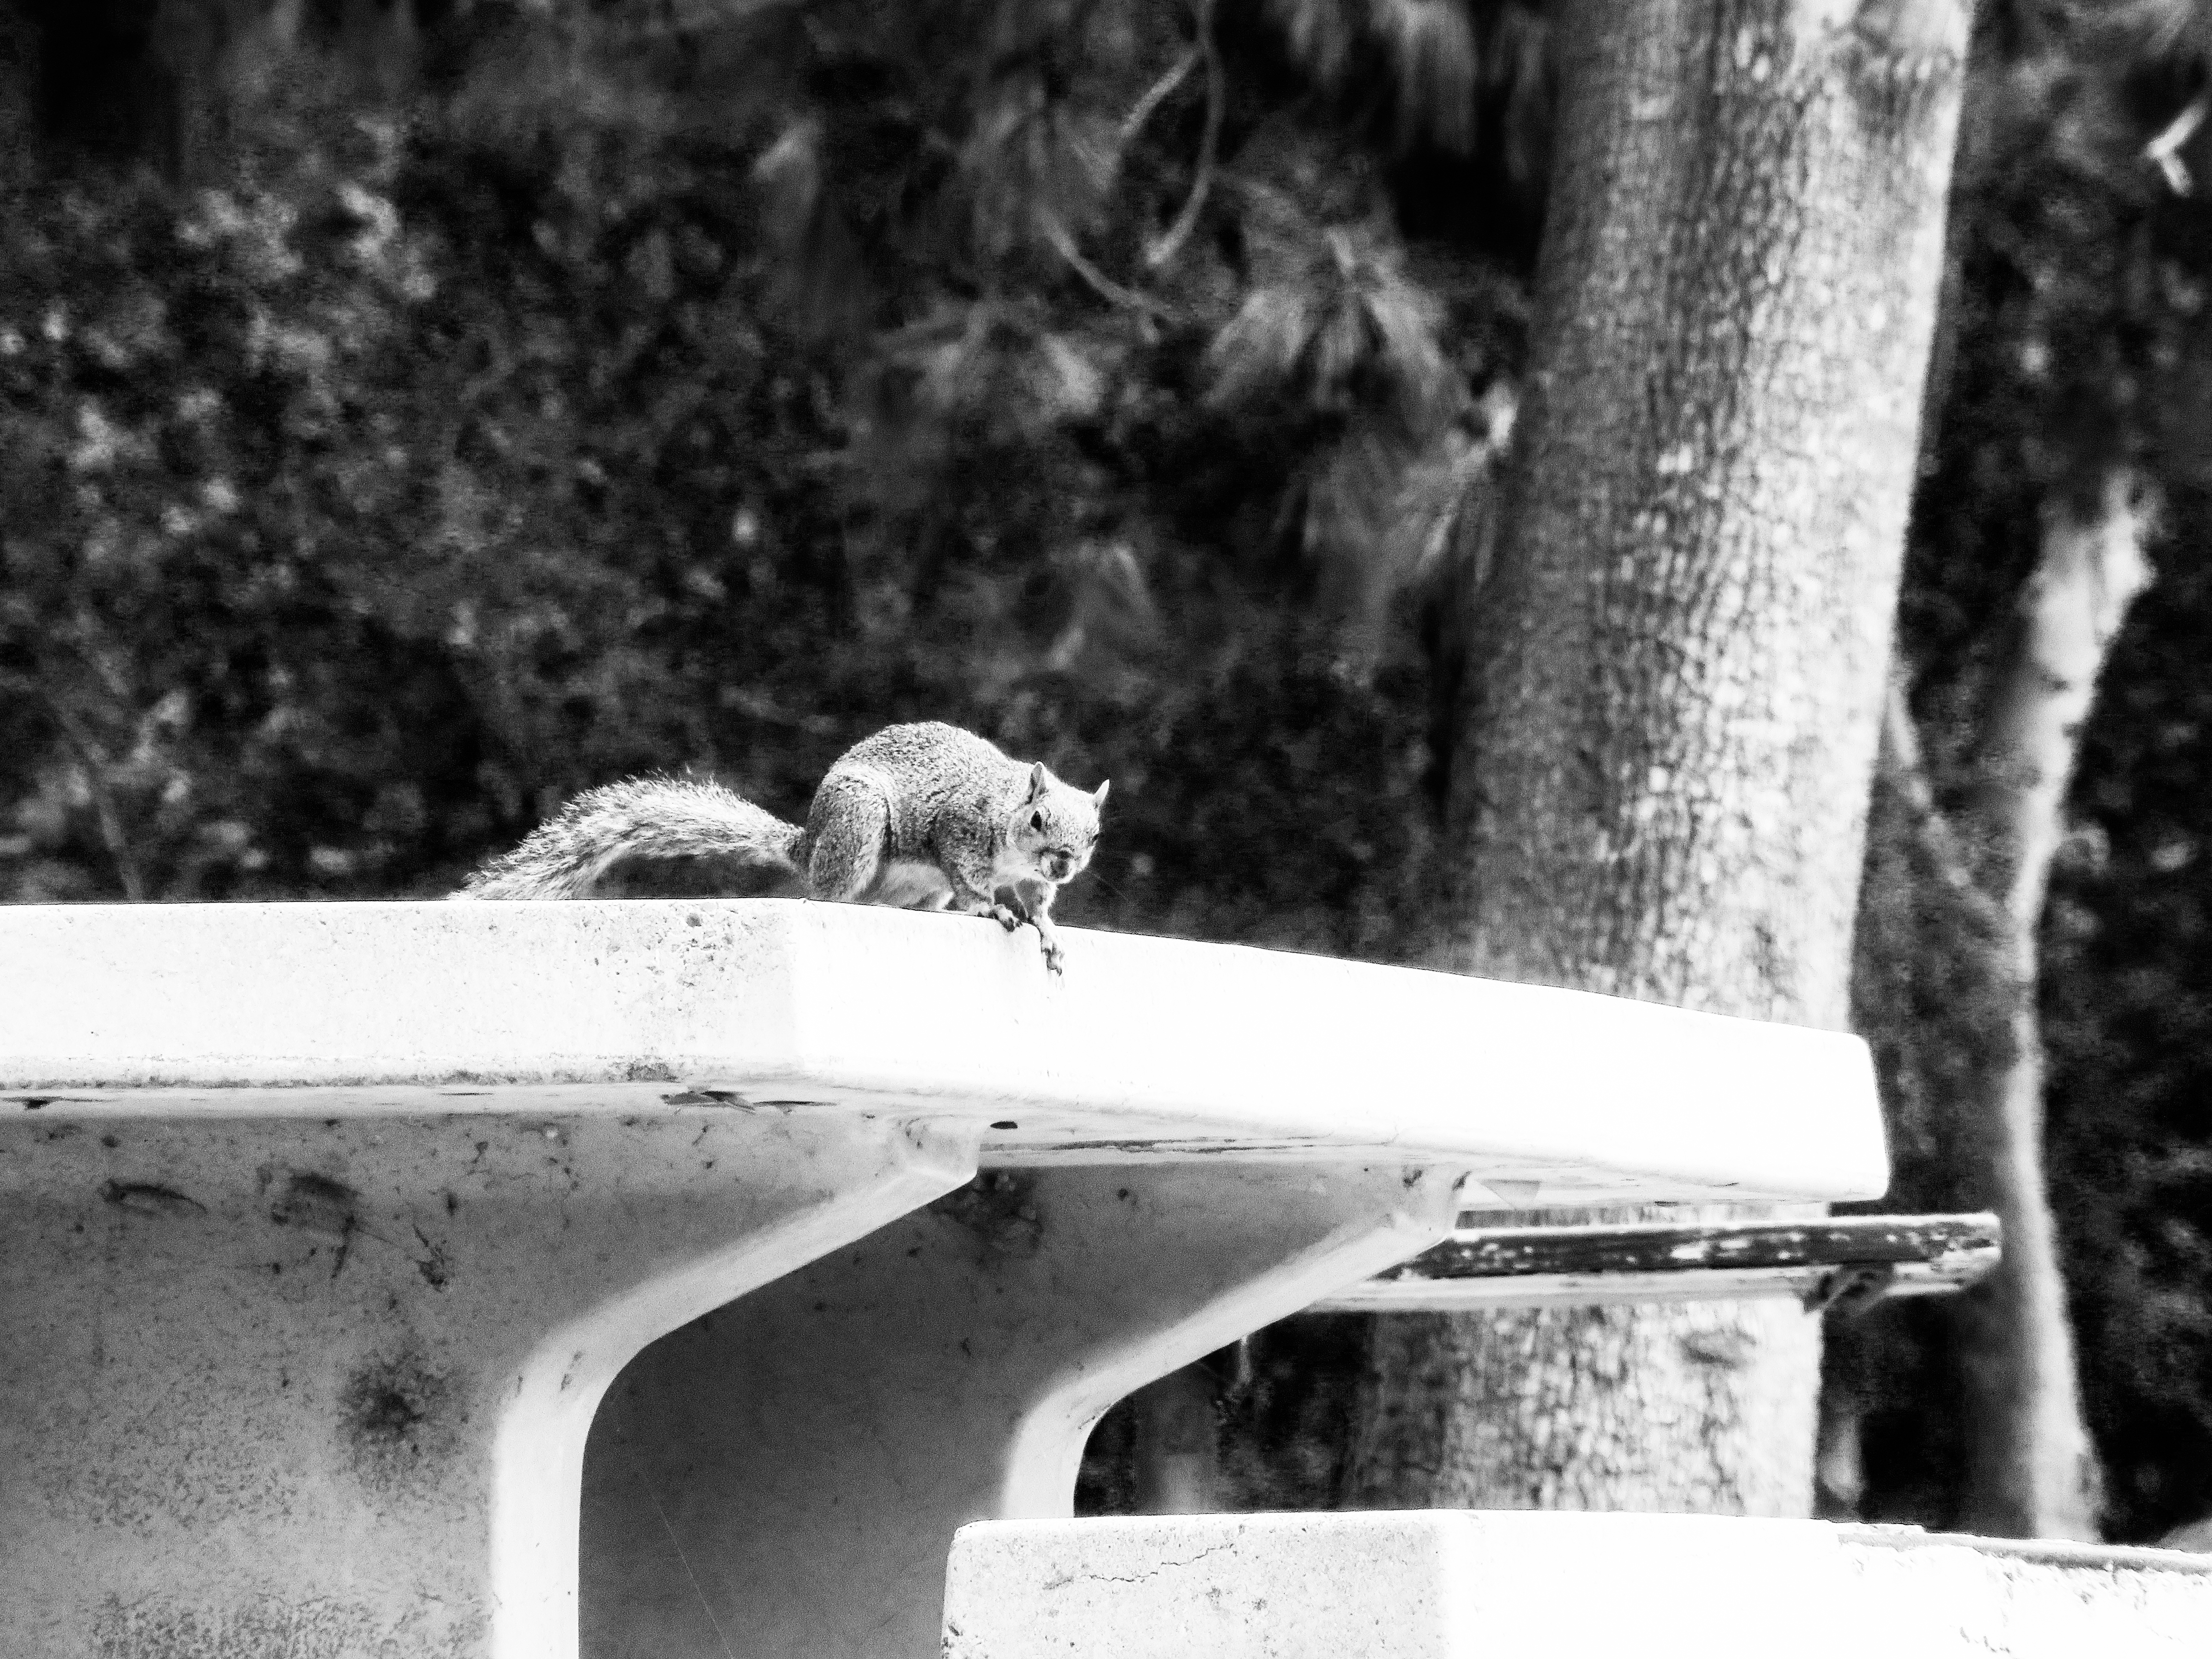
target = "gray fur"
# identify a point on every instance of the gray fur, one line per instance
(847, 836)
(639, 818)
(924, 817)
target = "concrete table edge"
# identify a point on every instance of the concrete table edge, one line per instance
(1144, 1048)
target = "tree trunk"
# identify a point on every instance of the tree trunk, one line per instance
(2031, 1470)
(1660, 785)
(1176, 1447)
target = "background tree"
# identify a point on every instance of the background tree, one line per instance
(1678, 667)
(2077, 341)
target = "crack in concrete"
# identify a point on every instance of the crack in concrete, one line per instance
(1067, 1579)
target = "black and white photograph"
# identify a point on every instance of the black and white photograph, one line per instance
(1105, 828)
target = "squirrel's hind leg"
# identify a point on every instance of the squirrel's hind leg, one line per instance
(853, 828)
(973, 889)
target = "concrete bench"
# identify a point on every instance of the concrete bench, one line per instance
(1458, 1584)
(326, 1230)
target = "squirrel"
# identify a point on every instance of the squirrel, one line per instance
(923, 816)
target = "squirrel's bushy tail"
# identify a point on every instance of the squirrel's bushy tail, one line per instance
(642, 818)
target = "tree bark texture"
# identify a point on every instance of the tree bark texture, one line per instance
(1177, 1448)
(1678, 672)
(2032, 1471)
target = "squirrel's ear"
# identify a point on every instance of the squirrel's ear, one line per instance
(1098, 795)
(1038, 778)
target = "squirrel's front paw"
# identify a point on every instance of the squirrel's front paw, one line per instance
(1007, 916)
(1054, 955)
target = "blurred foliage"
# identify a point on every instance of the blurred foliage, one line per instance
(516, 399)
(412, 415)
(2128, 1005)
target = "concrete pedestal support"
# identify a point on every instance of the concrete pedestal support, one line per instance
(291, 1387)
(783, 1477)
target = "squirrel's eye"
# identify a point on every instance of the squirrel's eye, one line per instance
(1037, 820)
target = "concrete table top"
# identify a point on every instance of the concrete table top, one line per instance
(1145, 1049)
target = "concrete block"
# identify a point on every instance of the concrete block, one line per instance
(1458, 1584)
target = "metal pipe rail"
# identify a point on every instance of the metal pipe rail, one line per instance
(1820, 1263)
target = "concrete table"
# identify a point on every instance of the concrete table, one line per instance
(324, 1231)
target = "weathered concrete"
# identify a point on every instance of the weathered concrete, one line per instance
(1454, 1585)
(947, 1369)
(292, 1389)
(324, 1227)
